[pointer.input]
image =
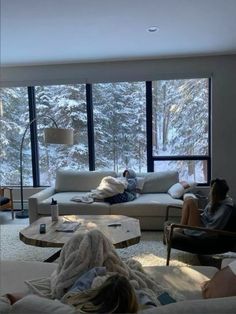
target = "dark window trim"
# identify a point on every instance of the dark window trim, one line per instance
(209, 170)
(90, 130)
(182, 157)
(150, 162)
(33, 137)
(90, 126)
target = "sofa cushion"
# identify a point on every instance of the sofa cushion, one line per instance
(160, 182)
(14, 273)
(68, 207)
(37, 305)
(84, 181)
(152, 204)
(210, 306)
(185, 280)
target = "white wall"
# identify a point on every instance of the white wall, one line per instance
(222, 69)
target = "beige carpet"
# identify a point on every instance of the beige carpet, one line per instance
(149, 252)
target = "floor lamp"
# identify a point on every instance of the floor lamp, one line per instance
(53, 135)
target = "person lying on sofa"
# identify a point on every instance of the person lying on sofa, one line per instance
(129, 193)
(91, 277)
(215, 215)
(115, 295)
(222, 284)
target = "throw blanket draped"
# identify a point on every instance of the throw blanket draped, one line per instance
(85, 251)
(109, 186)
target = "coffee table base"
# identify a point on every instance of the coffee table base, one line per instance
(52, 258)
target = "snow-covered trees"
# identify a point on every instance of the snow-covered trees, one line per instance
(181, 123)
(179, 120)
(119, 119)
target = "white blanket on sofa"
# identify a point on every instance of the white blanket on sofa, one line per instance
(108, 187)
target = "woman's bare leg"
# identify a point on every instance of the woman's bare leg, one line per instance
(191, 213)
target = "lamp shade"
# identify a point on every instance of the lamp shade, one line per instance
(58, 136)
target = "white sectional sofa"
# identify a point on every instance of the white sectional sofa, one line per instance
(185, 280)
(149, 207)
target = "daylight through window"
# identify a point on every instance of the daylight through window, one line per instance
(155, 126)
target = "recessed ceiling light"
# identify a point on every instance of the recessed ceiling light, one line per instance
(153, 29)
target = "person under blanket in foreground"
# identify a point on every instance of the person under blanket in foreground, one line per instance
(115, 295)
(91, 277)
(215, 215)
(129, 193)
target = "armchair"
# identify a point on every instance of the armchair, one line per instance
(212, 242)
(6, 199)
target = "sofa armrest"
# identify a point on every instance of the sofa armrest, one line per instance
(217, 306)
(35, 199)
(189, 195)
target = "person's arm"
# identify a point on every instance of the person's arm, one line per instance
(220, 218)
(14, 297)
(132, 183)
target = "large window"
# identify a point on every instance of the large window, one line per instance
(67, 105)
(14, 116)
(120, 126)
(180, 120)
(155, 126)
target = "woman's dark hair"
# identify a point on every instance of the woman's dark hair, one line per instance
(115, 295)
(124, 173)
(219, 190)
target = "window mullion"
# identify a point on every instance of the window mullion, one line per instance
(33, 136)
(90, 124)
(150, 164)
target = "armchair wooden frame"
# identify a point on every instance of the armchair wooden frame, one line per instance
(9, 204)
(216, 232)
(168, 236)
(168, 209)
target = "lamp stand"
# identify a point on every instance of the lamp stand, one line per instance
(53, 136)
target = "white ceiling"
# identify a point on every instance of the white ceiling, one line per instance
(66, 31)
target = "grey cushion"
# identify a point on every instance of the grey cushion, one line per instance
(14, 273)
(209, 306)
(160, 182)
(147, 205)
(84, 181)
(184, 280)
(68, 207)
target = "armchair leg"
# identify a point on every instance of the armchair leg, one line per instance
(12, 214)
(168, 254)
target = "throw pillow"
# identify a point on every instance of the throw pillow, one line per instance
(176, 190)
(222, 284)
(179, 189)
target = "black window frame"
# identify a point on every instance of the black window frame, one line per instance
(151, 158)
(90, 129)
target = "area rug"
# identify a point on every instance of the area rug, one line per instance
(149, 252)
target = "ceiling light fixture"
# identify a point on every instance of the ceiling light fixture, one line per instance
(153, 29)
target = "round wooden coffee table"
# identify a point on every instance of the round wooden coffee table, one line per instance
(121, 230)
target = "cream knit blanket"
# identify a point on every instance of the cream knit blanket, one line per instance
(85, 251)
(109, 186)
